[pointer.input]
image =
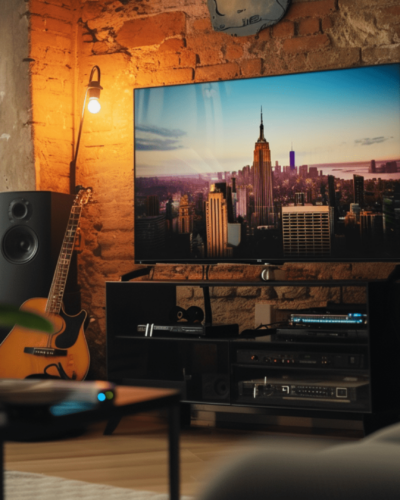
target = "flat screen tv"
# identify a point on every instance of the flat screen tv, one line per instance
(297, 167)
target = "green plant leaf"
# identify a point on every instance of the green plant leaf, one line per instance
(11, 315)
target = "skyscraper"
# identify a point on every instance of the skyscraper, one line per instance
(299, 199)
(263, 194)
(217, 224)
(186, 215)
(303, 171)
(242, 207)
(307, 230)
(152, 205)
(358, 189)
(372, 167)
(150, 235)
(292, 159)
(331, 191)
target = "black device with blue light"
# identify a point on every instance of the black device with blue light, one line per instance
(55, 397)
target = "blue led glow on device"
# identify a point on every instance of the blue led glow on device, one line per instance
(60, 397)
(329, 319)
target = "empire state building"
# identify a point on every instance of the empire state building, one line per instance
(263, 195)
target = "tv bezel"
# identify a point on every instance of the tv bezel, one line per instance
(249, 261)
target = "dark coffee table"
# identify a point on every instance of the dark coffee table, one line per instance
(37, 423)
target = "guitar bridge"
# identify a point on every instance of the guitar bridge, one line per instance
(45, 351)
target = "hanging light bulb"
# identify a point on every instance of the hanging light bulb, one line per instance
(92, 94)
(94, 105)
(94, 89)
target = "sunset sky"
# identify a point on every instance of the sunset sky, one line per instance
(329, 117)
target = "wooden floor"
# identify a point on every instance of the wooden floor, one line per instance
(136, 455)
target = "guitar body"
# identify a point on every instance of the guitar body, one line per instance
(30, 353)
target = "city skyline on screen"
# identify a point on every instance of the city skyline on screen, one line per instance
(329, 117)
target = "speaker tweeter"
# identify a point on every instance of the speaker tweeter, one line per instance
(19, 210)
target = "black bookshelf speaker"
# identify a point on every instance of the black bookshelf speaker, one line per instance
(215, 387)
(32, 228)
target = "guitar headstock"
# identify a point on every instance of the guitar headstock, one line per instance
(83, 195)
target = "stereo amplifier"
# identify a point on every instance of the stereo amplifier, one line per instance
(297, 334)
(347, 390)
(300, 359)
(329, 320)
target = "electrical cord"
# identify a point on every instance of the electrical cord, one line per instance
(263, 330)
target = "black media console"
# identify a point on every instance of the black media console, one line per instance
(314, 370)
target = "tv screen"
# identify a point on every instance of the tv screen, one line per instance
(297, 167)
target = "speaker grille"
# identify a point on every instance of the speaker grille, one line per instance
(20, 244)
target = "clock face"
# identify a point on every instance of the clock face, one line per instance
(245, 17)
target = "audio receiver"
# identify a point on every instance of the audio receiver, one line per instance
(296, 334)
(300, 359)
(346, 390)
(328, 320)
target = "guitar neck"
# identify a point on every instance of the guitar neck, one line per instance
(57, 288)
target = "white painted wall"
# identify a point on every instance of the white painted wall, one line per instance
(17, 171)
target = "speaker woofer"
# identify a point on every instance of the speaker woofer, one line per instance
(20, 244)
(215, 386)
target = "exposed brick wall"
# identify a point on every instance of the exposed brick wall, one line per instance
(166, 42)
(52, 87)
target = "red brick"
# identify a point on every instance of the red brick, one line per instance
(188, 59)
(50, 55)
(110, 64)
(62, 72)
(388, 16)
(284, 29)
(42, 87)
(306, 43)
(151, 30)
(217, 72)
(233, 52)
(46, 10)
(55, 132)
(169, 60)
(251, 67)
(172, 45)
(87, 38)
(308, 26)
(209, 57)
(334, 58)
(184, 75)
(91, 10)
(326, 24)
(46, 39)
(264, 34)
(202, 24)
(60, 3)
(210, 41)
(51, 25)
(394, 10)
(98, 47)
(311, 9)
(87, 49)
(379, 55)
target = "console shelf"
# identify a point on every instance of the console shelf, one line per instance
(335, 378)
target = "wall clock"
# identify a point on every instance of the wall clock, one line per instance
(245, 17)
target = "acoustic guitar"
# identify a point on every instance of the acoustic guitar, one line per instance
(63, 353)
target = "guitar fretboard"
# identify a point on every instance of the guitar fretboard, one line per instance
(57, 288)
